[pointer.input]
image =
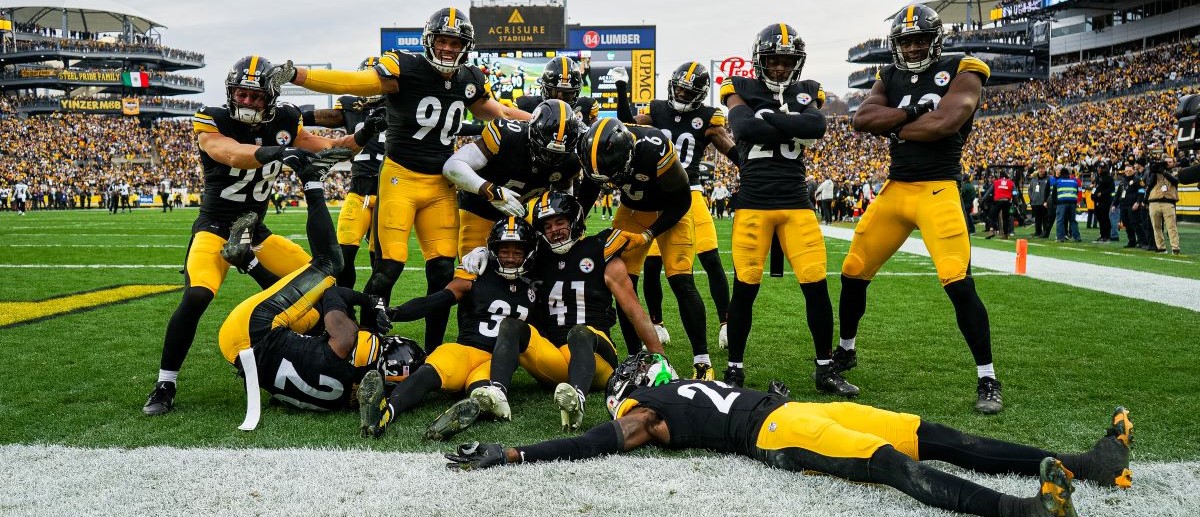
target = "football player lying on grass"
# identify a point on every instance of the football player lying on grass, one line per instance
(856, 442)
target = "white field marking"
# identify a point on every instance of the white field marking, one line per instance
(1177, 261)
(1169, 290)
(57, 480)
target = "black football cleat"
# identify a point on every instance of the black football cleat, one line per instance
(1107, 463)
(735, 376)
(454, 420)
(374, 413)
(1056, 489)
(161, 400)
(238, 250)
(989, 401)
(828, 380)
(844, 360)
(703, 372)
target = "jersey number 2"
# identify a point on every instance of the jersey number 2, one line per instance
(722, 403)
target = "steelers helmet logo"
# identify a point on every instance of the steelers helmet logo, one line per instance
(804, 99)
(555, 176)
(641, 177)
(470, 91)
(587, 265)
(532, 294)
(697, 123)
(942, 78)
(283, 137)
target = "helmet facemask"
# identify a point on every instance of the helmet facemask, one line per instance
(554, 132)
(932, 52)
(248, 80)
(452, 23)
(684, 97)
(637, 371)
(506, 234)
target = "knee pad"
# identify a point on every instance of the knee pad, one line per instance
(195, 300)
(854, 266)
(513, 332)
(384, 276)
(683, 286)
(582, 334)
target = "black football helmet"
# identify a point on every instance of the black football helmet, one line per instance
(400, 357)
(636, 371)
(1187, 113)
(554, 131)
(916, 20)
(688, 87)
(511, 229)
(452, 22)
(561, 79)
(778, 39)
(555, 203)
(606, 152)
(250, 73)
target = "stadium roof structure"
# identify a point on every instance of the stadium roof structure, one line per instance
(81, 15)
(955, 11)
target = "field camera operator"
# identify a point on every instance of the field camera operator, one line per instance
(1162, 192)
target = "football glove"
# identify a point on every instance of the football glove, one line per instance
(621, 241)
(294, 158)
(475, 262)
(912, 112)
(617, 74)
(375, 317)
(505, 200)
(374, 124)
(281, 75)
(319, 167)
(475, 455)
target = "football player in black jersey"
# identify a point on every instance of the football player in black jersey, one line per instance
(925, 103)
(773, 118)
(567, 343)
(358, 209)
(485, 301)
(685, 119)
(563, 80)
(426, 98)
(851, 441)
(243, 146)
(512, 162)
(319, 371)
(656, 203)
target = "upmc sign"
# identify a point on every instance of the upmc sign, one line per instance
(519, 27)
(611, 38)
(400, 39)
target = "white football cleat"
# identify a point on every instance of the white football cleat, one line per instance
(664, 337)
(570, 404)
(493, 401)
(723, 337)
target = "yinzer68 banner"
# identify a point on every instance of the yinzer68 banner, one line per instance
(519, 27)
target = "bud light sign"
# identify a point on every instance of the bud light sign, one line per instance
(400, 39)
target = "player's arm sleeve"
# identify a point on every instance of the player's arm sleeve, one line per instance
(748, 128)
(677, 194)
(624, 110)
(419, 308)
(361, 82)
(600, 440)
(809, 123)
(339, 298)
(461, 167)
(587, 193)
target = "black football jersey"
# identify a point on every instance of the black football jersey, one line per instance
(491, 299)
(687, 131)
(512, 166)
(586, 107)
(653, 156)
(773, 176)
(927, 161)
(707, 414)
(427, 111)
(230, 192)
(571, 289)
(355, 111)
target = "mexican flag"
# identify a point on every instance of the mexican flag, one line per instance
(135, 79)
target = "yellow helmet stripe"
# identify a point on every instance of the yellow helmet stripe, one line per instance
(691, 69)
(562, 122)
(253, 67)
(908, 18)
(786, 36)
(596, 142)
(512, 223)
(453, 15)
(564, 66)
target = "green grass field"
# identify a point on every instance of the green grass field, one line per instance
(1066, 355)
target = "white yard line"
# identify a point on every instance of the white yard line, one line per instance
(1169, 290)
(57, 480)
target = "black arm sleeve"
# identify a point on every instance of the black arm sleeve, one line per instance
(603, 439)
(308, 118)
(678, 204)
(418, 308)
(469, 129)
(732, 154)
(1189, 175)
(587, 193)
(748, 128)
(808, 124)
(339, 298)
(624, 110)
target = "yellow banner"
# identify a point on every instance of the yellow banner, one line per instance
(5, 25)
(641, 82)
(72, 75)
(131, 106)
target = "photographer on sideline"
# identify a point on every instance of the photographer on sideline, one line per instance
(1162, 192)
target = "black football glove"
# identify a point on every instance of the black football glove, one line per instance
(914, 111)
(318, 168)
(778, 388)
(295, 158)
(475, 455)
(374, 124)
(375, 317)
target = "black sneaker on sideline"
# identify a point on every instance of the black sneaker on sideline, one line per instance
(844, 360)
(989, 402)
(828, 380)
(735, 376)
(161, 400)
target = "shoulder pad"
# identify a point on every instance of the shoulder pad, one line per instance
(717, 118)
(493, 134)
(460, 272)
(727, 89)
(973, 64)
(205, 120)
